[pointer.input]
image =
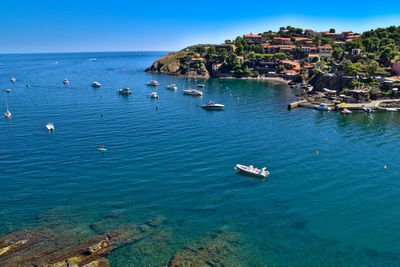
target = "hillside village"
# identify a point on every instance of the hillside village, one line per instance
(340, 61)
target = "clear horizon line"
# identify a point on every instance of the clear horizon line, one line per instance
(72, 52)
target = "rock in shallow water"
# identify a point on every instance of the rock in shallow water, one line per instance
(53, 244)
(212, 250)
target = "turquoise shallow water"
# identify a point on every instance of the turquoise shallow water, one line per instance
(340, 207)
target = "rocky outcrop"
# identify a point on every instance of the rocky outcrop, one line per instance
(175, 63)
(169, 64)
(52, 245)
(321, 81)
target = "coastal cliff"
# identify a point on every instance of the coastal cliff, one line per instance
(337, 83)
(174, 63)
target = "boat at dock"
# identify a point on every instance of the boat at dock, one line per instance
(124, 91)
(96, 85)
(392, 109)
(323, 107)
(50, 127)
(251, 170)
(153, 83)
(153, 95)
(368, 110)
(213, 106)
(192, 92)
(346, 111)
(172, 86)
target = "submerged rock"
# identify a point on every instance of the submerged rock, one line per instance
(214, 249)
(53, 244)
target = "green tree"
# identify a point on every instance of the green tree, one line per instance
(351, 68)
(200, 49)
(372, 68)
(211, 50)
(232, 59)
(280, 55)
(338, 53)
(387, 55)
(332, 30)
(251, 55)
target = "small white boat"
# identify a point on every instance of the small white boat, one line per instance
(323, 107)
(96, 85)
(7, 114)
(66, 81)
(192, 92)
(153, 83)
(200, 85)
(50, 127)
(346, 111)
(212, 105)
(368, 110)
(154, 95)
(172, 87)
(392, 109)
(28, 85)
(8, 90)
(252, 171)
(13, 78)
(124, 91)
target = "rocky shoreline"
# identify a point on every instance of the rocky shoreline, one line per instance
(55, 245)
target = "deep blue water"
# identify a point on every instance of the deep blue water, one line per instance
(337, 207)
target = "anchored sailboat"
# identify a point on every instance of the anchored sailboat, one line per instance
(193, 92)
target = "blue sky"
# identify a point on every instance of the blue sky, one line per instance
(120, 25)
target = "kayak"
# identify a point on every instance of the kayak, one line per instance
(101, 149)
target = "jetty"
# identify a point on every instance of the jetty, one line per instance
(299, 103)
(375, 104)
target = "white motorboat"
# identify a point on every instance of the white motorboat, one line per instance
(124, 91)
(192, 92)
(8, 90)
(153, 83)
(200, 85)
(7, 114)
(346, 111)
(50, 127)
(252, 171)
(392, 109)
(213, 105)
(368, 110)
(66, 81)
(323, 107)
(96, 85)
(153, 95)
(172, 87)
(13, 78)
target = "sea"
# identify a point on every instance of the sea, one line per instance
(332, 197)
